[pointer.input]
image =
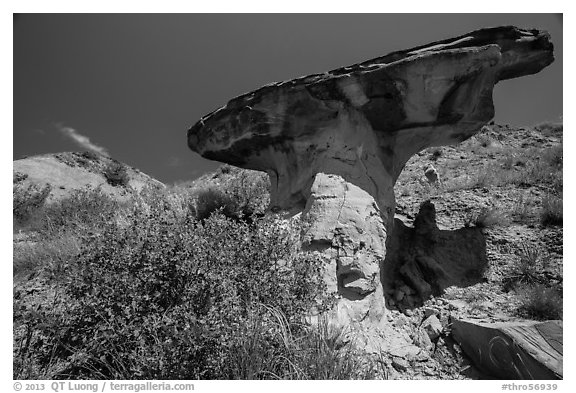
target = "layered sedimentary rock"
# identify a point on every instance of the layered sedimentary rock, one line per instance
(333, 143)
(513, 350)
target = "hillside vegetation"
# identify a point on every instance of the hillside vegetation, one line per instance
(197, 281)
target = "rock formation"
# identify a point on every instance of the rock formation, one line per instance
(334, 144)
(513, 350)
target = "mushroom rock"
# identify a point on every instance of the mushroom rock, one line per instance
(334, 143)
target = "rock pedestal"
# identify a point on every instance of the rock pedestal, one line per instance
(334, 144)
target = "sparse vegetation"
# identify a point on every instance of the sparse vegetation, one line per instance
(527, 269)
(550, 128)
(540, 302)
(28, 200)
(116, 174)
(488, 217)
(484, 140)
(19, 177)
(435, 153)
(523, 209)
(551, 211)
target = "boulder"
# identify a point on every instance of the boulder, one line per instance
(432, 327)
(513, 350)
(431, 174)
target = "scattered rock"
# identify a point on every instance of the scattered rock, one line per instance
(428, 311)
(456, 304)
(432, 327)
(422, 340)
(400, 364)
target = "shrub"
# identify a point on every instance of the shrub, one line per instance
(28, 200)
(240, 196)
(162, 296)
(19, 177)
(550, 128)
(527, 269)
(484, 140)
(551, 211)
(488, 217)
(212, 200)
(90, 155)
(540, 302)
(82, 211)
(435, 153)
(116, 174)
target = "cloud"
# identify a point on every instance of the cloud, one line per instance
(81, 140)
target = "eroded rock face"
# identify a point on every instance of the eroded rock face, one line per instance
(344, 222)
(363, 122)
(334, 144)
(513, 350)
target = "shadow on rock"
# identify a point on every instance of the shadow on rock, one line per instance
(423, 261)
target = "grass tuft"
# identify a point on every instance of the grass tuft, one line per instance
(540, 302)
(551, 213)
(488, 217)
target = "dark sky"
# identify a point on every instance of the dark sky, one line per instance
(132, 84)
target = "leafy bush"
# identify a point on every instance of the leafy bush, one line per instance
(240, 195)
(212, 200)
(540, 302)
(116, 174)
(28, 200)
(162, 296)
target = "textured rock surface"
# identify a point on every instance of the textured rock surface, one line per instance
(513, 350)
(423, 261)
(334, 144)
(344, 222)
(363, 122)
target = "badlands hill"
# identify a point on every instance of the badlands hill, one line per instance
(68, 171)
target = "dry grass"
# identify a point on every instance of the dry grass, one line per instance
(488, 217)
(551, 213)
(540, 302)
